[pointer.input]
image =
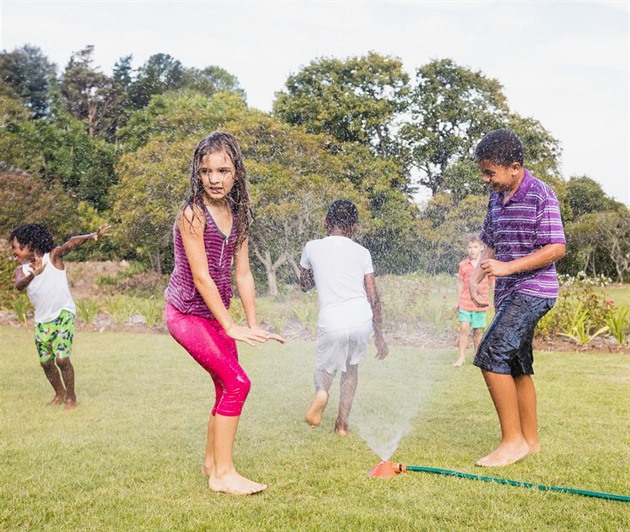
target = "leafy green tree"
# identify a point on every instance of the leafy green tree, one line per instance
(178, 114)
(210, 80)
(358, 99)
(28, 199)
(152, 187)
(59, 150)
(26, 73)
(159, 74)
(584, 195)
(90, 95)
(293, 177)
(451, 108)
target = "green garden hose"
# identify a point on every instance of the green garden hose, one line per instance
(401, 468)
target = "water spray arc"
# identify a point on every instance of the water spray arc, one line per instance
(385, 469)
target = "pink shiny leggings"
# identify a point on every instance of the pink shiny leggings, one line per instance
(206, 341)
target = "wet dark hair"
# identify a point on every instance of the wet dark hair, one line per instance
(238, 197)
(500, 146)
(37, 237)
(342, 214)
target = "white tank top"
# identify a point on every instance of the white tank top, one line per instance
(49, 292)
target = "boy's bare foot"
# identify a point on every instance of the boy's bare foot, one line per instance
(70, 403)
(235, 484)
(459, 363)
(341, 429)
(316, 410)
(207, 470)
(504, 454)
(57, 400)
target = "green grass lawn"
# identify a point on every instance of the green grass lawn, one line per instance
(128, 457)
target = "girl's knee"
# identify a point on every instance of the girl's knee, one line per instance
(234, 396)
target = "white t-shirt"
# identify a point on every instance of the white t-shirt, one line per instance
(339, 267)
(49, 292)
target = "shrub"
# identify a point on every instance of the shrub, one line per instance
(618, 323)
(87, 309)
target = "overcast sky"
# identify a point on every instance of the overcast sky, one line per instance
(564, 63)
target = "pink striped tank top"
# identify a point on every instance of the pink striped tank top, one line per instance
(181, 291)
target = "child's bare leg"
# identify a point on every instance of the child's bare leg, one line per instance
(464, 332)
(315, 412)
(348, 388)
(526, 394)
(513, 446)
(477, 336)
(52, 374)
(67, 374)
(207, 467)
(224, 478)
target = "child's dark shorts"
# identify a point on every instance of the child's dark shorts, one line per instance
(506, 348)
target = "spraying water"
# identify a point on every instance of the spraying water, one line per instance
(390, 397)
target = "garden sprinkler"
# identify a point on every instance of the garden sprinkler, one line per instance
(385, 469)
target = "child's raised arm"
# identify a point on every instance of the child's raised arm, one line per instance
(75, 241)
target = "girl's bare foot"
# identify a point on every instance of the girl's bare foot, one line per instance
(316, 410)
(534, 447)
(459, 363)
(207, 470)
(57, 400)
(71, 404)
(505, 454)
(235, 484)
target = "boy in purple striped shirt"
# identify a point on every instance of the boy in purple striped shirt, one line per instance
(524, 237)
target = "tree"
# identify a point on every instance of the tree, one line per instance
(451, 107)
(584, 195)
(97, 100)
(26, 73)
(357, 99)
(159, 74)
(152, 187)
(28, 199)
(210, 80)
(178, 114)
(59, 150)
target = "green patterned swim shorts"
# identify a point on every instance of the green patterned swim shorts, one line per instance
(54, 338)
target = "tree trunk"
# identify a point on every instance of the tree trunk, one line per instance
(271, 268)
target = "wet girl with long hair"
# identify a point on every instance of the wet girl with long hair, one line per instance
(210, 238)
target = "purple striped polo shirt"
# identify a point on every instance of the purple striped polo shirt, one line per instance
(181, 291)
(530, 220)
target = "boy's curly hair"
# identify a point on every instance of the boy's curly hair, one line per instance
(342, 214)
(37, 237)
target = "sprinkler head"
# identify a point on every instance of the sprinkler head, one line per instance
(385, 469)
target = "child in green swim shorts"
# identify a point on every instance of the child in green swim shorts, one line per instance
(42, 273)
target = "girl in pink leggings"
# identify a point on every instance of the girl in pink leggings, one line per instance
(210, 236)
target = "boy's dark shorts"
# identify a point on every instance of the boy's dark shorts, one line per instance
(506, 348)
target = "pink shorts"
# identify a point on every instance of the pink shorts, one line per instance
(207, 342)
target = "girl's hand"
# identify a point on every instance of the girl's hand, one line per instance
(103, 230)
(249, 335)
